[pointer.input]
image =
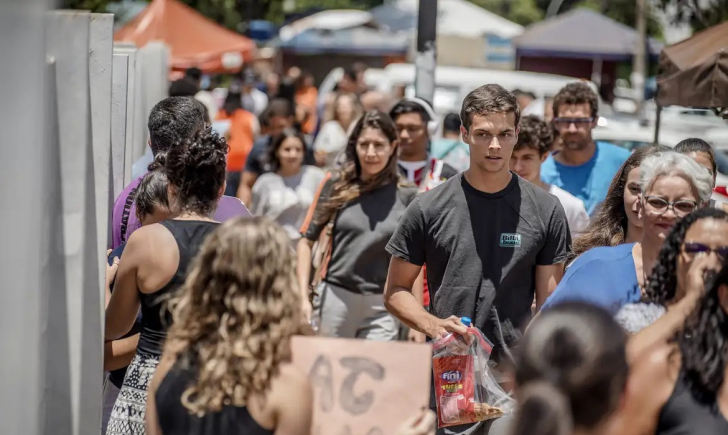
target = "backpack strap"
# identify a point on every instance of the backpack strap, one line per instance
(437, 168)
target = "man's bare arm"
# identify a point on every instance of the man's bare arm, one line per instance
(400, 301)
(547, 278)
(245, 189)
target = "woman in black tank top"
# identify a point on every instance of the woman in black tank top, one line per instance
(225, 367)
(154, 266)
(679, 388)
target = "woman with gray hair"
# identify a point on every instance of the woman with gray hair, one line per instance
(672, 186)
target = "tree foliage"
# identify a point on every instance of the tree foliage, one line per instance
(87, 5)
(625, 12)
(701, 14)
(232, 12)
(523, 12)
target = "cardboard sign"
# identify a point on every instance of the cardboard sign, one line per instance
(364, 387)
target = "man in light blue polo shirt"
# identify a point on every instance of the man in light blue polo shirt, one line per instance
(582, 167)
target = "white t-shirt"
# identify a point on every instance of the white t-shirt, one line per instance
(576, 213)
(208, 100)
(286, 199)
(332, 140)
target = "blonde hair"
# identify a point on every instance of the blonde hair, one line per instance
(332, 114)
(235, 315)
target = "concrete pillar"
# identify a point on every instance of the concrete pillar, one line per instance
(132, 96)
(155, 63)
(56, 79)
(28, 217)
(119, 111)
(100, 75)
(75, 332)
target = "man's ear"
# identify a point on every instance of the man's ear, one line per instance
(464, 134)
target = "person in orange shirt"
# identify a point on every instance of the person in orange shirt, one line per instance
(244, 128)
(306, 98)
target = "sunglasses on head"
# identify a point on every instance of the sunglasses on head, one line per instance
(693, 248)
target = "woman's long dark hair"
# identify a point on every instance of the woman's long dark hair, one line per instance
(349, 184)
(571, 370)
(608, 226)
(704, 344)
(662, 282)
(271, 158)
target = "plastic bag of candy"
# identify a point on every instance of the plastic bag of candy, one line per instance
(465, 389)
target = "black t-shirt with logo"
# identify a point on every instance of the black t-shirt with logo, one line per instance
(482, 250)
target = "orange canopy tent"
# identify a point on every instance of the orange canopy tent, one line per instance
(194, 40)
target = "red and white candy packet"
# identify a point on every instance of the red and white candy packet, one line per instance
(465, 388)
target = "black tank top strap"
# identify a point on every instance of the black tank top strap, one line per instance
(183, 233)
(684, 414)
(175, 418)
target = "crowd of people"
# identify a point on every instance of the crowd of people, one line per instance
(599, 274)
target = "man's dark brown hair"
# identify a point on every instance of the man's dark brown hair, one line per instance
(535, 134)
(486, 100)
(576, 93)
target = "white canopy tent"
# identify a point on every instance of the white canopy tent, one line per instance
(454, 17)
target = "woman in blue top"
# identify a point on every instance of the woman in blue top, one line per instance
(672, 186)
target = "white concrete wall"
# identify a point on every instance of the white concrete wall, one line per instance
(26, 215)
(55, 191)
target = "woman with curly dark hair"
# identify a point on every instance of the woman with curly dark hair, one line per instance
(155, 263)
(677, 280)
(672, 186)
(226, 365)
(679, 387)
(361, 206)
(615, 220)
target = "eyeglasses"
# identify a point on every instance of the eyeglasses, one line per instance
(693, 248)
(379, 148)
(659, 206)
(566, 122)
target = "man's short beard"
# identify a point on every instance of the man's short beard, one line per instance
(574, 146)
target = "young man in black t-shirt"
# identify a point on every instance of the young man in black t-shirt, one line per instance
(491, 240)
